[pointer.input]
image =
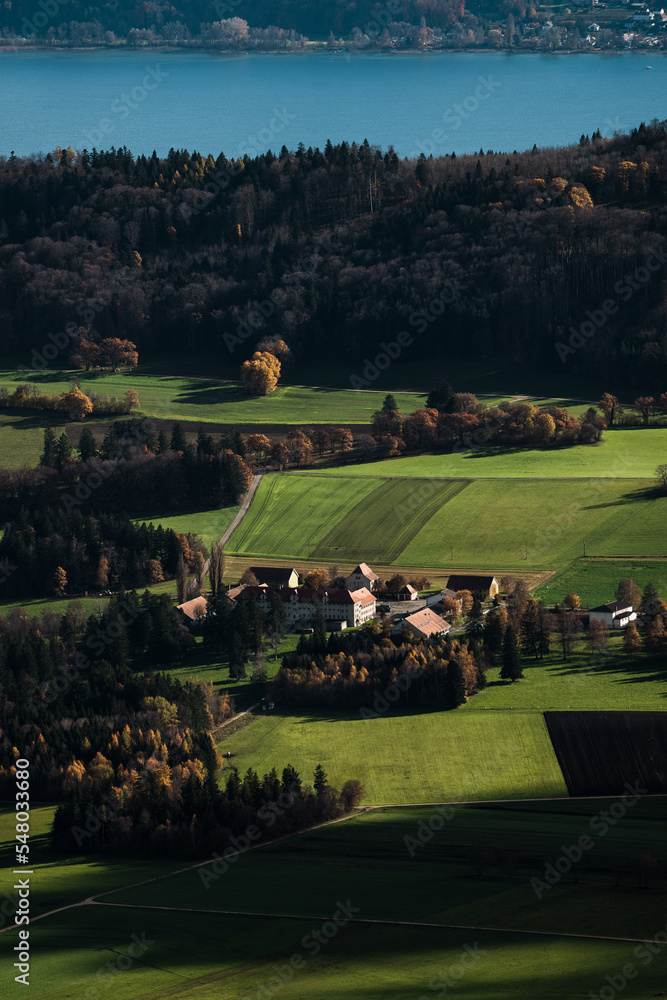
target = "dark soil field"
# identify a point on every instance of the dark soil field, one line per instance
(600, 752)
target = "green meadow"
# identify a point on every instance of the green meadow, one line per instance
(508, 525)
(409, 758)
(457, 875)
(218, 957)
(210, 525)
(209, 400)
(596, 580)
(631, 453)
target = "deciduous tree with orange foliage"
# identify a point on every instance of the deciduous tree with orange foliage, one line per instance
(260, 373)
(77, 405)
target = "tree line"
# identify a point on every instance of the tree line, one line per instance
(134, 469)
(368, 669)
(487, 256)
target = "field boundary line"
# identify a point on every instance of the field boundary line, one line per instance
(389, 923)
(474, 479)
(256, 479)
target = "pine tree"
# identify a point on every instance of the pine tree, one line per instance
(494, 630)
(49, 454)
(87, 446)
(181, 579)
(177, 438)
(650, 602)
(455, 690)
(320, 782)
(511, 668)
(529, 628)
(63, 450)
(236, 657)
(216, 569)
(291, 780)
(475, 622)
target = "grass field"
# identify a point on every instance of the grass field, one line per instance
(37, 605)
(596, 580)
(210, 525)
(170, 397)
(508, 525)
(59, 880)
(602, 683)
(22, 438)
(434, 757)
(631, 453)
(377, 860)
(217, 957)
(321, 517)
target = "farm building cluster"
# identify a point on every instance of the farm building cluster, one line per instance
(348, 606)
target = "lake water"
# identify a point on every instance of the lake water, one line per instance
(434, 102)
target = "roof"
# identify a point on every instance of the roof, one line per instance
(194, 609)
(276, 575)
(471, 583)
(362, 596)
(447, 592)
(427, 622)
(364, 569)
(614, 607)
(234, 592)
(311, 595)
(407, 588)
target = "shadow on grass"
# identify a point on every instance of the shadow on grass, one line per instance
(634, 496)
(651, 668)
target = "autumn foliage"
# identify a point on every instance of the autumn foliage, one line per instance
(260, 373)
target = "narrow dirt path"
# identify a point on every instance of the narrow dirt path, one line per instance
(244, 508)
(372, 922)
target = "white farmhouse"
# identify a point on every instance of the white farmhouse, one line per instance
(616, 614)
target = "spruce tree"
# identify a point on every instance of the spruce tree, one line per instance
(49, 454)
(455, 690)
(87, 446)
(511, 668)
(320, 782)
(63, 450)
(177, 438)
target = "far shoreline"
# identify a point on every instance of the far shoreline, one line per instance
(319, 49)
